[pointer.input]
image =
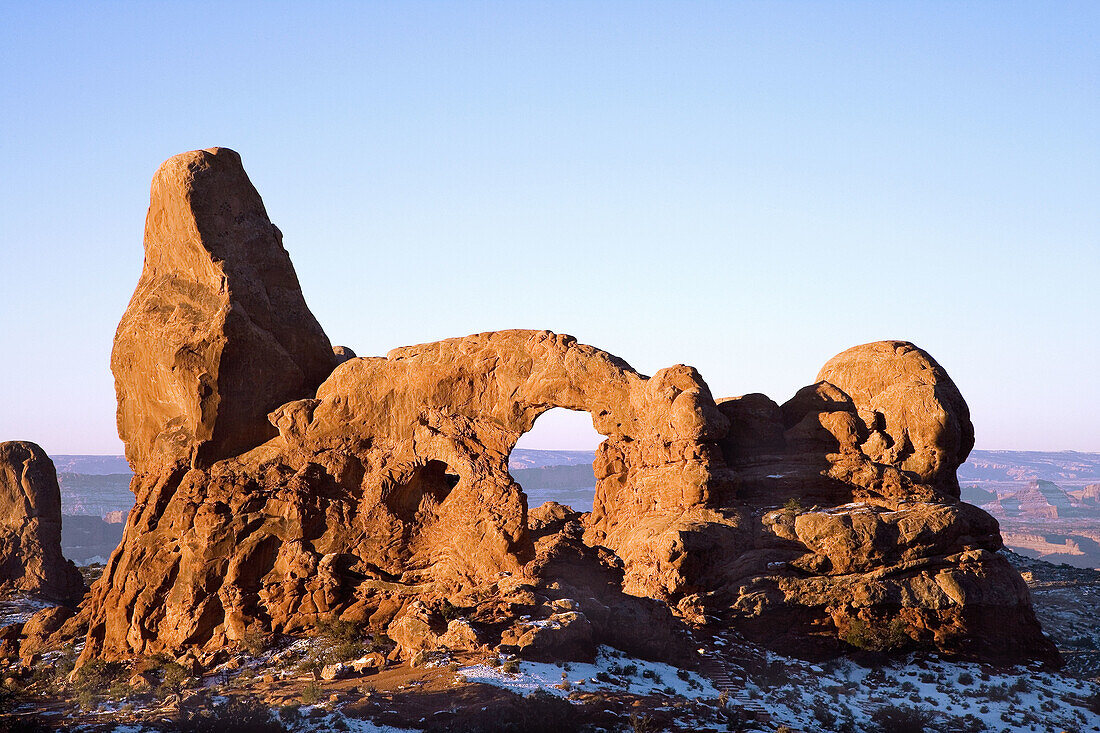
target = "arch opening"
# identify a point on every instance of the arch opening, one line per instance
(553, 460)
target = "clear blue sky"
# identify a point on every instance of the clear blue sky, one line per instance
(749, 188)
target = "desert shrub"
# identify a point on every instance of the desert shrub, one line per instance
(311, 665)
(966, 679)
(793, 506)
(683, 674)
(31, 723)
(450, 611)
(630, 670)
(876, 637)
(510, 667)
(255, 643)
(382, 643)
(11, 698)
(824, 715)
(239, 715)
(339, 641)
(642, 723)
(96, 678)
(171, 675)
(902, 719)
(311, 693)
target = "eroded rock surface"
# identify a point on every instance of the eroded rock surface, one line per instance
(217, 333)
(380, 492)
(30, 526)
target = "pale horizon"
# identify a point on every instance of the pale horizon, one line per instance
(746, 188)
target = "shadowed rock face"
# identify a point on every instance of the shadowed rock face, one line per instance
(383, 494)
(30, 526)
(217, 333)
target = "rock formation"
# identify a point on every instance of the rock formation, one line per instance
(217, 333)
(272, 494)
(30, 526)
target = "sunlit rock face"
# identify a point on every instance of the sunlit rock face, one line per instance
(217, 333)
(279, 483)
(30, 526)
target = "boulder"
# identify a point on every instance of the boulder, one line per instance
(460, 636)
(914, 415)
(412, 630)
(337, 671)
(562, 636)
(30, 526)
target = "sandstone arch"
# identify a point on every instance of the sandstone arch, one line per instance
(466, 402)
(383, 480)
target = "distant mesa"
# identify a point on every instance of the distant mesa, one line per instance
(282, 482)
(30, 526)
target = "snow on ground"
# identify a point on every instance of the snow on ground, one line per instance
(17, 607)
(837, 696)
(338, 721)
(612, 671)
(968, 696)
(320, 724)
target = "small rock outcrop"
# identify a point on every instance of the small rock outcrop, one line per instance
(30, 526)
(276, 489)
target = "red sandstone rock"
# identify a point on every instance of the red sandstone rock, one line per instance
(914, 414)
(385, 494)
(30, 526)
(217, 333)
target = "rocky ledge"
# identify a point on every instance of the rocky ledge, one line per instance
(281, 484)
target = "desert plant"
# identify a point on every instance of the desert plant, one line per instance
(877, 637)
(793, 506)
(311, 693)
(450, 611)
(902, 719)
(824, 715)
(239, 715)
(338, 641)
(171, 675)
(255, 643)
(95, 679)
